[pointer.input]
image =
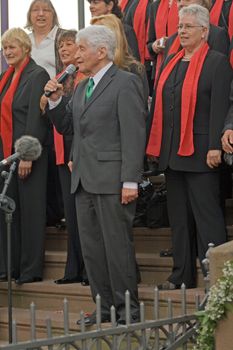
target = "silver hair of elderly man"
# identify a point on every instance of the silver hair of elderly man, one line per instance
(99, 36)
(199, 12)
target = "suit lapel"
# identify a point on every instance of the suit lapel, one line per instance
(104, 82)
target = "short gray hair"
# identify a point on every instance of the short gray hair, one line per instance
(99, 36)
(198, 11)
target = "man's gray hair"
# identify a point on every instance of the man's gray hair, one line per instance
(99, 36)
(198, 11)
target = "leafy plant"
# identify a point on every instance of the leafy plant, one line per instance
(220, 301)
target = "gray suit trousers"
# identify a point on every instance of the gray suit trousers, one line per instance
(105, 228)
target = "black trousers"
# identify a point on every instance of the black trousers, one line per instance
(29, 222)
(74, 264)
(195, 216)
(105, 227)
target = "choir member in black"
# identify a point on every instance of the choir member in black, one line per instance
(218, 38)
(163, 23)
(21, 87)
(138, 18)
(105, 7)
(190, 107)
(67, 48)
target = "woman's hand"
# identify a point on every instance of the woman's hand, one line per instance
(24, 168)
(54, 87)
(159, 45)
(227, 141)
(43, 103)
(213, 158)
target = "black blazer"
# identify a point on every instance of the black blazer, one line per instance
(132, 40)
(151, 32)
(211, 110)
(218, 40)
(27, 118)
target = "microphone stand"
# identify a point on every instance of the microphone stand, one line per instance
(7, 204)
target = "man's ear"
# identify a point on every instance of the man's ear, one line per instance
(102, 53)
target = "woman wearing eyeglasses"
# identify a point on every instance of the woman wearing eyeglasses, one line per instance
(218, 38)
(190, 107)
(42, 21)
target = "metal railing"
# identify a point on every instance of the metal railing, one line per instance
(173, 332)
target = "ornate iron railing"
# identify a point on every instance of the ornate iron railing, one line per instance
(173, 332)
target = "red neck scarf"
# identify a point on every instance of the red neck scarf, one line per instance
(123, 4)
(6, 106)
(58, 138)
(140, 27)
(166, 19)
(165, 25)
(215, 14)
(188, 103)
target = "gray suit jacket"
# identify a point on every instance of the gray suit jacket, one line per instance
(109, 132)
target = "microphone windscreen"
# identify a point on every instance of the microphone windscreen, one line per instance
(70, 69)
(28, 148)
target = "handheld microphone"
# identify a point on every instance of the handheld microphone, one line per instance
(27, 148)
(68, 71)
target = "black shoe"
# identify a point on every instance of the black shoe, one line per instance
(20, 281)
(168, 286)
(3, 277)
(90, 319)
(134, 319)
(166, 253)
(65, 280)
(85, 282)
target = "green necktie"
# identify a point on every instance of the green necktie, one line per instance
(90, 88)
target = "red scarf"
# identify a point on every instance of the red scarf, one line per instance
(58, 138)
(215, 14)
(165, 25)
(166, 19)
(188, 103)
(140, 28)
(6, 130)
(123, 4)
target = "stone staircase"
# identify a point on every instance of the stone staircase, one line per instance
(49, 297)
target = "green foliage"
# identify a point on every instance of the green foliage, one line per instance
(220, 301)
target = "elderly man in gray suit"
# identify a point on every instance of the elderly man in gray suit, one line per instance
(107, 117)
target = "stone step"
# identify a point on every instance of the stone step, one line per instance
(147, 240)
(153, 268)
(23, 321)
(48, 296)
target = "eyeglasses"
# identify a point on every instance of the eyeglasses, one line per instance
(188, 27)
(38, 10)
